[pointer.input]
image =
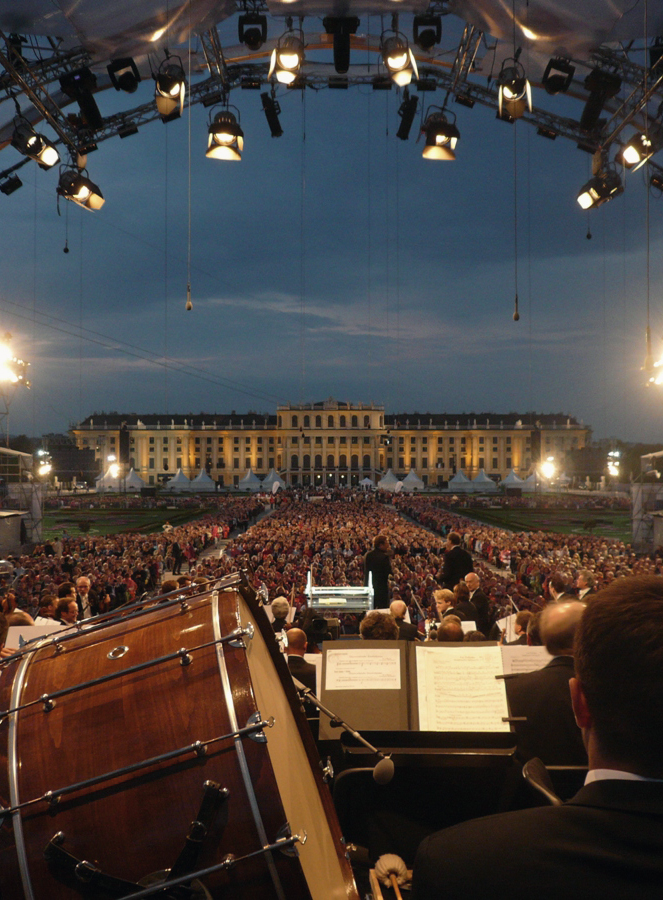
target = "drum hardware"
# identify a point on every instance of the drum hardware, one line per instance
(118, 652)
(183, 654)
(258, 736)
(198, 748)
(327, 770)
(184, 606)
(289, 849)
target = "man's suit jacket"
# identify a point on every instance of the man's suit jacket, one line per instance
(303, 671)
(408, 632)
(457, 564)
(550, 731)
(482, 604)
(606, 842)
(379, 564)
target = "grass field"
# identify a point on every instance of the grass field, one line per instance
(603, 523)
(113, 521)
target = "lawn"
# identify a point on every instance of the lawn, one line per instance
(114, 521)
(600, 522)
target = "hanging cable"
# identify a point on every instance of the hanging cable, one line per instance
(189, 304)
(302, 271)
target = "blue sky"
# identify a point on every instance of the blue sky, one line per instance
(341, 264)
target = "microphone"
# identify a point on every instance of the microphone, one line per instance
(384, 769)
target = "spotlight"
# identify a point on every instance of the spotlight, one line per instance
(124, 74)
(34, 146)
(287, 58)
(441, 136)
(169, 90)
(427, 31)
(546, 132)
(514, 93)
(127, 130)
(272, 110)
(640, 148)
(13, 183)
(79, 85)
(600, 188)
(78, 188)
(226, 138)
(341, 29)
(464, 100)
(407, 112)
(656, 181)
(602, 86)
(398, 59)
(252, 30)
(558, 76)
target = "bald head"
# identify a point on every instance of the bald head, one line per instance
(472, 581)
(296, 642)
(558, 627)
(398, 609)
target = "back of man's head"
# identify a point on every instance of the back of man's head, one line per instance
(378, 626)
(619, 664)
(398, 609)
(558, 583)
(454, 538)
(66, 589)
(380, 541)
(450, 632)
(297, 641)
(558, 625)
(523, 618)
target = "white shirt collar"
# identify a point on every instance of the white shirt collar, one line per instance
(615, 775)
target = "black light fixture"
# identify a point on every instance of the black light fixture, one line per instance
(74, 185)
(35, 146)
(441, 134)
(427, 32)
(288, 56)
(602, 85)
(514, 91)
(127, 130)
(272, 109)
(169, 89)
(11, 184)
(225, 136)
(341, 27)
(124, 74)
(252, 30)
(640, 148)
(558, 75)
(656, 181)
(407, 112)
(398, 57)
(80, 85)
(600, 188)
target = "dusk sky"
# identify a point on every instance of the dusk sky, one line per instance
(341, 265)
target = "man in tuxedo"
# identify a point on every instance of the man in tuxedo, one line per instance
(584, 583)
(299, 668)
(480, 601)
(457, 562)
(607, 841)
(406, 631)
(558, 588)
(378, 563)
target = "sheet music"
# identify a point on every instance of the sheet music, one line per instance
(363, 670)
(508, 624)
(519, 659)
(458, 691)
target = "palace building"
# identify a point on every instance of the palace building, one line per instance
(330, 443)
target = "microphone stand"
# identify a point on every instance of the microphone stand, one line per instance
(384, 769)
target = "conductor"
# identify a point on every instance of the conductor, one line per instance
(378, 563)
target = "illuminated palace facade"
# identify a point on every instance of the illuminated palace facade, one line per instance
(330, 443)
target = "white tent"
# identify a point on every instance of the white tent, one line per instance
(532, 482)
(107, 482)
(512, 480)
(202, 482)
(483, 483)
(179, 482)
(366, 483)
(412, 482)
(133, 481)
(250, 482)
(388, 482)
(272, 478)
(459, 482)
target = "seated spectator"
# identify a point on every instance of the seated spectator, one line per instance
(377, 626)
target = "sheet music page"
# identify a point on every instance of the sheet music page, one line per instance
(363, 670)
(519, 659)
(458, 691)
(508, 624)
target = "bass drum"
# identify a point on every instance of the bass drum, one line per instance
(164, 747)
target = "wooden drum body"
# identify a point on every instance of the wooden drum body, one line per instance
(167, 744)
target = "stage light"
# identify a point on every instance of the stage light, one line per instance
(640, 148)
(558, 76)
(34, 146)
(124, 74)
(602, 85)
(441, 136)
(600, 188)
(78, 188)
(12, 369)
(514, 91)
(225, 137)
(252, 30)
(398, 59)
(272, 109)
(407, 112)
(341, 28)
(287, 58)
(426, 32)
(11, 184)
(127, 130)
(169, 89)
(548, 468)
(79, 85)
(656, 181)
